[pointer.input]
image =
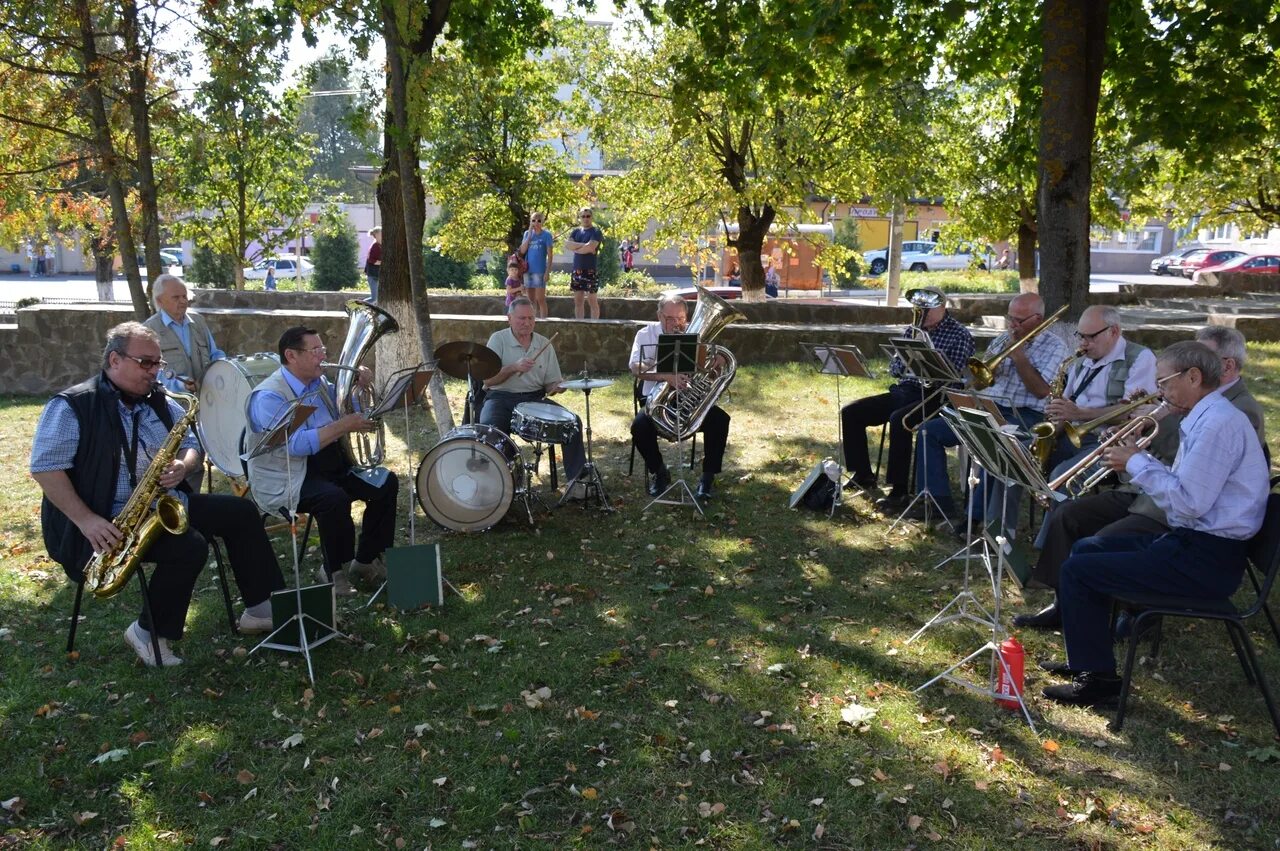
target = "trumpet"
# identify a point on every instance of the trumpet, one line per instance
(984, 372)
(1076, 433)
(1082, 476)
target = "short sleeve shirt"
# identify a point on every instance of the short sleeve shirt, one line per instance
(585, 262)
(546, 370)
(539, 253)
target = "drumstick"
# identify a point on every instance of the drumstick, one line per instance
(547, 346)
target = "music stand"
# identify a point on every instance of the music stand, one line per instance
(840, 361)
(1004, 457)
(677, 354)
(935, 374)
(289, 421)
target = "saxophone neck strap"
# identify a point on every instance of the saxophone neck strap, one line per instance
(130, 446)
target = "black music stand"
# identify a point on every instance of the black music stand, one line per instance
(840, 361)
(935, 374)
(301, 630)
(1002, 456)
(677, 354)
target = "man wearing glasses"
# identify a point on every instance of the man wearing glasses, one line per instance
(584, 243)
(94, 443)
(311, 474)
(1214, 497)
(1020, 389)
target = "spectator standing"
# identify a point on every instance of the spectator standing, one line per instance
(535, 248)
(50, 258)
(31, 258)
(39, 261)
(515, 281)
(270, 283)
(584, 241)
(373, 263)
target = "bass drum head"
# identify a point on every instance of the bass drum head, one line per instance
(224, 406)
(467, 481)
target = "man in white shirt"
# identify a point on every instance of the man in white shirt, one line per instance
(1214, 496)
(715, 426)
(530, 373)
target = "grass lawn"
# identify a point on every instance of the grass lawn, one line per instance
(639, 679)
(974, 281)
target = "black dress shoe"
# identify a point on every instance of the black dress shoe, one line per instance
(1047, 618)
(892, 502)
(706, 488)
(866, 483)
(1087, 688)
(661, 481)
(1058, 669)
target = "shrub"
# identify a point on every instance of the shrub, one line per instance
(442, 270)
(336, 252)
(212, 270)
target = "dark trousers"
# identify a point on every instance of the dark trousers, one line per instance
(715, 434)
(1103, 514)
(327, 495)
(498, 407)
(236, 522)
(857, 417)
(1180, 562)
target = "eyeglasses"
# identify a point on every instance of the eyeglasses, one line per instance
(1091, 337)
(1160, 382)
(147, 363)
(1018, 320)
(586, 215)
(537, 221)
(314, 350)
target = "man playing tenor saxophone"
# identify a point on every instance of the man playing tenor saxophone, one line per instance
(94, 446)
(715, 425)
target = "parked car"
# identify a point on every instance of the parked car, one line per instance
(1247, 264)
(286, 265)
(167, 257)
(1209, 258)
(176, 251)
(1163, 265)
(920, 256)
(878, 260)
(1175, 266)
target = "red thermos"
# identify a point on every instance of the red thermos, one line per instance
(1009, 675)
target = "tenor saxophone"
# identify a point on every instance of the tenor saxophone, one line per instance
(148, 512)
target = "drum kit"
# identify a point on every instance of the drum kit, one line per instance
(224, 409)
(469, 479)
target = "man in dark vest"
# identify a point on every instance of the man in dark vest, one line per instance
(93, 445)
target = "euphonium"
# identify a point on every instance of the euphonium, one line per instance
(140, 520)
(677, 414)
(367, 324)
(1077, 433)
(984, 372)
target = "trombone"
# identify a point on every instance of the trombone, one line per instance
(1081, 477)
(984, 372)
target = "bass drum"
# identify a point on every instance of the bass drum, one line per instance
(468, 479)
(224, 407)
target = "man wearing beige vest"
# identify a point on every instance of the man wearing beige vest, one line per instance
(186, 345)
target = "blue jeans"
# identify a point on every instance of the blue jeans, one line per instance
(1181, 562)
(931, 455)
(373, 287)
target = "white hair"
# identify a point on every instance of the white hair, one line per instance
(157, 287)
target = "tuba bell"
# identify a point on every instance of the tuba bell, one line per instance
(922, 301)
(367, 323)
(677, 414)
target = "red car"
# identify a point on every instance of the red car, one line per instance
(1213, 258)
(1248, 264)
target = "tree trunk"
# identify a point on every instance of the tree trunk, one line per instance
(400, 197)
(140, 112)
(110, 161)
(1074, 34)
(752, 230)
(894, 286)
(1027, 281)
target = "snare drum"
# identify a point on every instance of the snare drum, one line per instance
(543, 422)
(467, 481)
(224, 406)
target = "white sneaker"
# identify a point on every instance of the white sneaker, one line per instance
(141, 645)
(252, 624)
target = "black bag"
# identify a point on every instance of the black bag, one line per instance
(820, 495)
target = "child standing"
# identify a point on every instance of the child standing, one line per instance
(515, 282)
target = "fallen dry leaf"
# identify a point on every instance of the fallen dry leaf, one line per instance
(1050, 746)
(244, 777)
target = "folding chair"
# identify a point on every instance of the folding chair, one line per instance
(1264, 554)
(637, 405)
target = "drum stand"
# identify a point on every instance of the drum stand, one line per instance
(525, 493)
(589, 476)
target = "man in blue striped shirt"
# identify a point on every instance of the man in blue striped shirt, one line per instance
(1215, 497)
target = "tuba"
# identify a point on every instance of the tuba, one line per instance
(367, 324)
(677, 414)
(140, 520)
(984, 372)
(922, 301)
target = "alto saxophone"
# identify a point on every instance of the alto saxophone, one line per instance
(1046, 433)
(148, 512)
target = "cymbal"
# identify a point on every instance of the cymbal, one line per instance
(586, 383)
(461, 359)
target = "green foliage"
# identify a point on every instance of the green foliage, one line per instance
(336, 251)
(844, 264)
(441, 268)
(973, 281)
(210, 269)
(341, 124)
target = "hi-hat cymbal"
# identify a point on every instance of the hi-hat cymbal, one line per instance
(586, 383)
(461, 359)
